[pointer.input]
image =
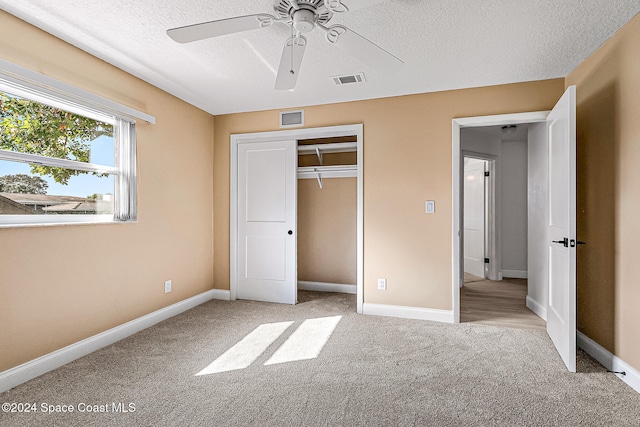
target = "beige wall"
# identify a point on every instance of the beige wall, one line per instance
(61, 284)
(608, 121)
(327, 230)
(407, 160)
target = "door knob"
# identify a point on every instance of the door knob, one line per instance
(290, 232)
(564, 242)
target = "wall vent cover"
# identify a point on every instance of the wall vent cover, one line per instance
(290, 119)
(349, 78)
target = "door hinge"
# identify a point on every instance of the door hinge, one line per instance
(486, 260)
(487, 173)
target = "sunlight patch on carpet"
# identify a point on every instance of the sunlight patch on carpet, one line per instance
(245, 352)
(307, 341)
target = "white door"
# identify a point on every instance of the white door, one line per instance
(267, 197)
(561, 311)
(474, 197)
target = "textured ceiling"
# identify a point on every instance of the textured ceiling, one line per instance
(445, 44)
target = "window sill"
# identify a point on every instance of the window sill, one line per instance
(20, 221)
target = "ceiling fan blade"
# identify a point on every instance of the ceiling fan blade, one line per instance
(361, 48)
(290, 62)
(341, 6)
(205, 30)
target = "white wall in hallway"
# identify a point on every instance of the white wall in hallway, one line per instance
(514, 208)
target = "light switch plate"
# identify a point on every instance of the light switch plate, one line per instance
(430, 206)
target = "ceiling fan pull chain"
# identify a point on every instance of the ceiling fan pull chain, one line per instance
(293, 43)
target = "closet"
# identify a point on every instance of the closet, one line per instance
(327, 214)
(296, 213)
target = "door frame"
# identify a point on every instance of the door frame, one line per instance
(491, 237)
(303, 133)
(457, 158)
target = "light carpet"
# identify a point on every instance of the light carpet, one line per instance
(373, 371)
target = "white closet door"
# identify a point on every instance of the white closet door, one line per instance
(267, 199)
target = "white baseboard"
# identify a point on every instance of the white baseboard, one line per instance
(609, 360)
(515, 274)
(34, 368)
(220, 294)
(404, 312)
(326, 287)
(537, 308)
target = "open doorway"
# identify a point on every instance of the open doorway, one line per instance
(495, 226)
(514, 145)
(327, 218)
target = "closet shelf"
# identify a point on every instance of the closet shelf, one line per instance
(335, 147)
(319, 172)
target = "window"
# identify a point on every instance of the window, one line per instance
(66, 156)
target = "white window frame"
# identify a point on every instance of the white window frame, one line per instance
(17, 80)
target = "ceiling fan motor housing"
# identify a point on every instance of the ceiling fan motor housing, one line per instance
(321, 15)
(304, 20)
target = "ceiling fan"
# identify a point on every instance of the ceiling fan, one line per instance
(302, 16)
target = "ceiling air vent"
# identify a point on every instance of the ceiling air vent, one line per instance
(290, 119)
(349, 78)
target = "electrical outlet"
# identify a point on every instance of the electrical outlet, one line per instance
(167, 286)
(382, 284)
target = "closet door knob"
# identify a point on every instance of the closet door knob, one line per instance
(290, 232)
